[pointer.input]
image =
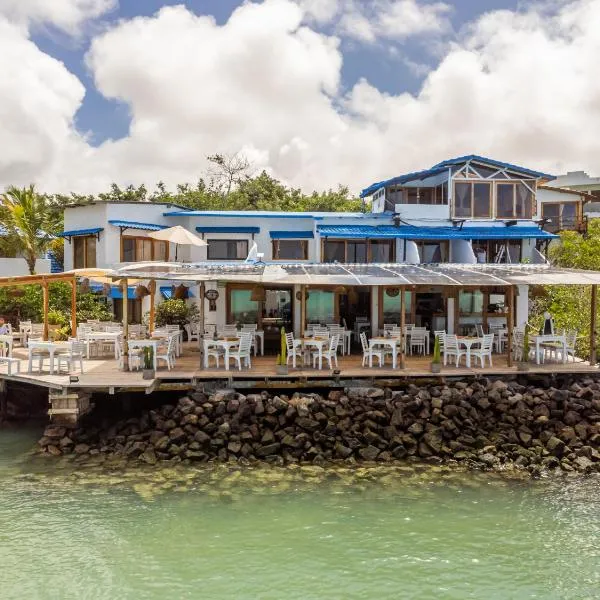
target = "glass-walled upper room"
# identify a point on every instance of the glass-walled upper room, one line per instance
(431, 195)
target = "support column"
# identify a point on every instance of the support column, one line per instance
(509, 323)
(151, 319)
(45, 303)
(402, 326)
(125, 357)
(450, 309)
(593, 325)
(302, 310)
(201, 332)
(74, 307)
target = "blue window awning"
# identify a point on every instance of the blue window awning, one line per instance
(291, 235)
(410, 232)
(136, 225)
(80, 232)
(167, 292)
(228, 229)
(116, 292)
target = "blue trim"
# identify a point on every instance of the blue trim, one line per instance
(257, 214)
(116, 293)
(409, 232)
(167, 292)
(228, 229)
(446, 164)
(291, 235)
(80, 232)
(136, 225)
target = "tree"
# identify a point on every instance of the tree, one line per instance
(229, 170)
(27, 218)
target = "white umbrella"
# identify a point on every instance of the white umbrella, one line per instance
(178, 235)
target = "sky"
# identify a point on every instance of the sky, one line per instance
(316, 92)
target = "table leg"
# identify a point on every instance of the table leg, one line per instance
(262, 344)
(320, 358)
(227, 358)
(30, 367)
(394, 356)
(51, 361)
(537, 353)
(468, 358)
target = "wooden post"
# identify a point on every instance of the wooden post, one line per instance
(402, 326)
(151, 318)
(74, 307)
(593, 325)
(45, 297)
(201, 332)
(125, 356)
(509, 323)
(302, 310)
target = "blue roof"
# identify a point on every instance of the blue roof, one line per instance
(228, 229)
(265, 214)
(136, 225)
(410, 232)
(444, 165)
(167, 292)
(291, 235)
(79, 232)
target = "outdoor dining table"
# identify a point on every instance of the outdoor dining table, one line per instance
(318, 343)
(102, 336)
(391, 342)
(468, 341)
(551, 339)
(50, 347)
(227, 343)
(143, 343)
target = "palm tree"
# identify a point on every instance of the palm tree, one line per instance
(26, 215)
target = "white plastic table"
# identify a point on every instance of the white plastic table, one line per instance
(318, 343)
(468, 342)
(102, 336)
(391, 342)
(226, 343)
(559, 340)
(50, 347)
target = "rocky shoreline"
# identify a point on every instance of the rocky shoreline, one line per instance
(476, 423)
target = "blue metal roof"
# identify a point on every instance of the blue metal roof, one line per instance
(444, 165)
(264, 214)
(79, 232)
(291, 235)
(410, 232)
(228, 229)
(136, 225)
(167, 292)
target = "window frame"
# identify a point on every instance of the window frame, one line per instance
(472, 183)
(369, 243)
(276, 248)
(559, 226)
(85, 239)
(154, 245)
(228, 240)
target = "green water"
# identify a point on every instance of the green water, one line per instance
(101, 532)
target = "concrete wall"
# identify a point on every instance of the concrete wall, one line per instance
(13, 267)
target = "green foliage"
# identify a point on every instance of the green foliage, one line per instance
(148, 357)
(526, 347)
(175, 312)
(436, 351)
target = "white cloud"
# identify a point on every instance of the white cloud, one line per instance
(520, 87)
(320, 11)
(67, 15)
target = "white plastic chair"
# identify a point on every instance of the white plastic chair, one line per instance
(243, 351)
(73, 356)
(369, 353)
(330, 353)
(518, 339)
(292, 345)
(479, 330)
(485, 350)
(134, 357)
(193, 332)
(451, 348)
(166, 352)
(441, 334)
(417, 340)
(571, 343)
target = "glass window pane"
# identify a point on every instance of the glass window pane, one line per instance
(320, 307)
(550, 211)
(462, 199)
(78, 253)
(481, 199)
(391, 307)
(334, 251)
(160, 251)
(524, 199)
(470, 302)
(227, 249)
(569, 215)
(243, 309)
(128, 250)
(504, 200)
(433, 252)
(357, 252)
(412, 197)
(291, 249)
(426, 196)
(382, 251)
(514, 252)
(90, 252)
(480, 249)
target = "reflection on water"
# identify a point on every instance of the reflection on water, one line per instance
(295, 533)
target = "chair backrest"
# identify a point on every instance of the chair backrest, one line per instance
(389, 326)
(76, 347)
(518, 337)
(172, 328)
(441, 335)
(364, 342)
(37, 328)
(334, 342)
(245, 343)
(488, 341)
(571, 338)
(417, 336)
(479, 329)
(229, 329)
(396, 331)
(451, 342)
(321, 332)
(249, 327)
(289, 341)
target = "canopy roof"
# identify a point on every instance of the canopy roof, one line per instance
(361, 274)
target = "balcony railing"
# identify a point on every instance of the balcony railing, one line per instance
(558, 224)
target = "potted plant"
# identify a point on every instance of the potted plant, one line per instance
(148, 372)
(281, 364)
(523, 364)
(436, 362)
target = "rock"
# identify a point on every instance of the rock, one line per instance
(555, 446)
(82, 449)
(306, 423)
(342, 451)
(416, 429)
(234, 447)
(268, 450)
(201, 437)
(434, 440)
(177, 435)
(582, 463)
(53, 450)
(149, 457)
(369, 453)
(54, 431)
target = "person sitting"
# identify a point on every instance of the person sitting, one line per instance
(4, 328)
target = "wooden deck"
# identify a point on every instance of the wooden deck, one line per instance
(102, 375)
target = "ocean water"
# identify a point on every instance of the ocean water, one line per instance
(79, 531)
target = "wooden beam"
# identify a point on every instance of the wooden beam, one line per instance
(151, 319)
(593, 326)
(402, 326)
(73, 307)
(45, 302)
(302, 310)
(34, 279)
(125, 357)
(510, 292)
(202, 319)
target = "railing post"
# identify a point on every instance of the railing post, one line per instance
(593, 333)
(402, 326)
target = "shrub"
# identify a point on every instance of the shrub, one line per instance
(175, 312)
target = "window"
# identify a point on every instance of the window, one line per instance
(357, 252)
(429, 195)
(382, 251)
(334, 251)
(320, 307)
(227, 249)
(84, 252)
(433, 251)
(562, 216)
(391, 306)
(241, 308)
(470, 302)
(497, 251)
(472, 199)
(290, 249)
(137, 249)
(514, 201)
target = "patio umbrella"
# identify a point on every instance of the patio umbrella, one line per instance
(178, 235)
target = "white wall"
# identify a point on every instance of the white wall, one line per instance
(13, 267)
(425, 214)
